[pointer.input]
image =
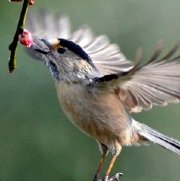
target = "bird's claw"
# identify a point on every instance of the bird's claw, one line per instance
(116, 177)
(96, 177)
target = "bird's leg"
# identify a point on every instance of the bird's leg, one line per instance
(106, 178)
(104, 152)
(116, 176)
(96, 176)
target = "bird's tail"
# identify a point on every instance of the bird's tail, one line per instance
(154, 136)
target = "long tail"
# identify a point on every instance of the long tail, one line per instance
(154, 136)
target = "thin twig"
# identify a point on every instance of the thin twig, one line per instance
(19, 30)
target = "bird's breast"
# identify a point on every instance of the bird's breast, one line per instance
(100, 115)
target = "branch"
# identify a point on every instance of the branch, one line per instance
(19, 30)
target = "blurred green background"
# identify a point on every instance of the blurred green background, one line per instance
(37, 142)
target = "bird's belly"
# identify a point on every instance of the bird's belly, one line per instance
(101, 116)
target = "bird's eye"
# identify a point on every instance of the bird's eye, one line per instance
(61, 50)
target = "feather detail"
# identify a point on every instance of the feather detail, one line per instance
(155, 83)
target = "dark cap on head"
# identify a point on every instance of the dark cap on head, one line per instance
(76, 49)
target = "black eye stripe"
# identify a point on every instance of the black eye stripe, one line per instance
(61, 50)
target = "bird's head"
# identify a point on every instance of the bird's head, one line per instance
(66, 60)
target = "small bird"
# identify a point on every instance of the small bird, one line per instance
(98, 88)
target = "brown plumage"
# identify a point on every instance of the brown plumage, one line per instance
(101, 115)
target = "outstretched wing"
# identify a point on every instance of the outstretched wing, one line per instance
(107, 57)
(138, 88)
(155, 83)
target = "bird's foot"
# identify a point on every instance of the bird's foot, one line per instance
(96, 177)
(115, 177)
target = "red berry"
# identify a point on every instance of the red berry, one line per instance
(26, 38)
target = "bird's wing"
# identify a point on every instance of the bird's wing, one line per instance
(48, 26)
(155, 83)
(107, 57)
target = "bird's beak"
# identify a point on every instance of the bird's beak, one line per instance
(42, 46)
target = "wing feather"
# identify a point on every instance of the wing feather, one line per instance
(48, 26)
(155, 83)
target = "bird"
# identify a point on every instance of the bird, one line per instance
(98, 87)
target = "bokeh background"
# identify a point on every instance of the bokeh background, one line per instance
(37, 142)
